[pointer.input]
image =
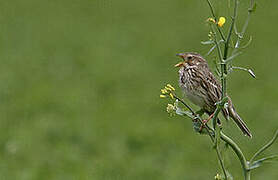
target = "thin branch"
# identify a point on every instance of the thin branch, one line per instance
(265, 146)
(208, 129)
(221, 162)
(216, 44)
(243, 69)
(259, 162)
(230, 31)
(214, 17)
(215, 115)
(223, 83)
(226, 139)
(239, 154)
(187, 106)
(244, 28)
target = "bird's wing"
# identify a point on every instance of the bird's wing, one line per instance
(214, 91)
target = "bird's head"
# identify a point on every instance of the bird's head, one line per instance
(190, 59)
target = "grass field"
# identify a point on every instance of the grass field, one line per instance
(80, 84)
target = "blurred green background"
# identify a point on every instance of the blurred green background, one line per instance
(80, 84)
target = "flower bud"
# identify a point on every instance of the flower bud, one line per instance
(221, 21)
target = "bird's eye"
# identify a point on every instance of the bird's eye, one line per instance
(189, 57)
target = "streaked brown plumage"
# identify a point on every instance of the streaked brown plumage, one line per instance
(203, 89)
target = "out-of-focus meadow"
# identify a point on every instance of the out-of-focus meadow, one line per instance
(80, 84)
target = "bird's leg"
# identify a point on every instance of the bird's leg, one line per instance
(209, 118)
(205, 121)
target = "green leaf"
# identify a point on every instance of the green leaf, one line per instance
(265, 147)
(244, 69)
(232, 57)
(207, 42)
(247, 44)
(251, 73)
(213, 47)
(182, 112)
(259, 162)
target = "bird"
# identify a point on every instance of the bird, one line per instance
(203, 89)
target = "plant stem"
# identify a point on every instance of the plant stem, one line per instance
(226, 49)
(217, 137)
(188, 107)
(223, 72)
(221, 162)
(230, 31)
(241, 34)
(216, 43)
(241, 157)
(229, 141)
(265, 147)
(223, 79)
(215, 19)
(208, 129)
(223, 83)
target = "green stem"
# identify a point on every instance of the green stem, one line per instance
(241, 157)
(265, 147)
(230, 31)
(226, 139)
(215, 115)
(216, 43)
(247, 175)
(216, 140)
(224, 87)
(241, 34)
(208, 129)
(188, 107)
(223, 79)
(215, 19)
(221, 162)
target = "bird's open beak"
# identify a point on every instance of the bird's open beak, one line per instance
(180, 55)
(180, 63)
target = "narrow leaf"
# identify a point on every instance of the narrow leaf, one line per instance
(213, 47)
(182, 112)
(207, 42)
(251, 73)
(232, 57)
(259, 162)
(248, 43)
(265, 146)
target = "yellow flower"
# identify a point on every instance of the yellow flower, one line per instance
(217, 177)
(168, 89)
(171, 109)
(221, 21)
(171, 95)
(211, 20)
(164, 91)
(171, 87)
(162, 96)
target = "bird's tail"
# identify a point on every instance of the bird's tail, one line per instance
(240, 123)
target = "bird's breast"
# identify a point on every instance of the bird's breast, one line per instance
(191, 87)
